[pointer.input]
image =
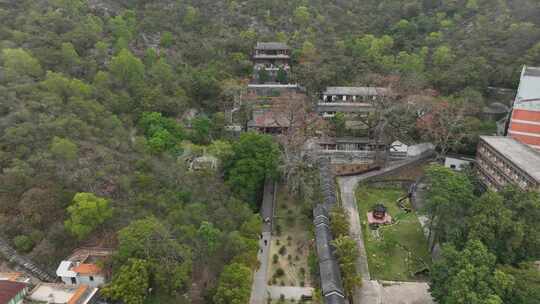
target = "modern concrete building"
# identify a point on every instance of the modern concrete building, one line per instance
(502, 161)
(525, 119)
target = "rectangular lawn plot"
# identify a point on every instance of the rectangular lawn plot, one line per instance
(396, 251)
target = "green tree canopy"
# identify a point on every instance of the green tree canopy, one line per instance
(302, 16)
(282, 76)
(168, 260)
(64, 149)
(527, 287)
(347, 255)
(86, 213)
(70, 58)
(127, 69)
(255, 157)
(495, 225)
(163, 134)
(449, 198)
(20, 63)
(469, 276)
(201, 130)
(166, 39)
(130, 283)
(234, 286)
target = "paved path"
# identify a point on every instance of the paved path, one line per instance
(372, 292)
(405, 293)
(347, 186)
(290, 292)
(259, 291)
(258, 288)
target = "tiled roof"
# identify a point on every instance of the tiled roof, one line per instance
(327, 182)
(323, 237)
(330, 274)
(87, 269)
(268, 118)
(9, 289)
(271, 46)
(356, 91)
(78, 294)
(334, 298)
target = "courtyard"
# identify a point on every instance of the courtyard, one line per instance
(291, 242)
(398, 251)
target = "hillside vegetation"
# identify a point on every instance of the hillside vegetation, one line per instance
(93, 96)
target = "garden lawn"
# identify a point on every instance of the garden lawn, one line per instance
(401, 249)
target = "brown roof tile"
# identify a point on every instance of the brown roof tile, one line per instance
(9, 289)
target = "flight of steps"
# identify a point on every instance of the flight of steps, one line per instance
(12, 256)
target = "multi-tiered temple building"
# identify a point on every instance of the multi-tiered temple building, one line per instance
(351, 101)
(271, 63)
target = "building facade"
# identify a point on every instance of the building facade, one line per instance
(271, 63)
(349, 100)
(525, 119)
(268, 121)
(502, 161)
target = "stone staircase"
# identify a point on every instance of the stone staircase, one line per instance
(13, 257)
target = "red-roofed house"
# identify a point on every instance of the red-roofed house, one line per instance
(84, 267)
(269, 121)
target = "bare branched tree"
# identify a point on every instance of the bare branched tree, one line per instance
(395, 112)
(444, 125)
(292, 113)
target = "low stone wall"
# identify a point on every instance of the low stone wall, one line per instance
(404, 184)
(354, 169)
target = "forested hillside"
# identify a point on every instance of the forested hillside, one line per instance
(93, 96)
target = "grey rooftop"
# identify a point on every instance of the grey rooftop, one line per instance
(523, 156)
(529, 84)
(356, 91)
(271, 46)
(531, 71)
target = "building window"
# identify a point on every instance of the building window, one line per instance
(452, 166)
(73, 281)
(91, 278)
